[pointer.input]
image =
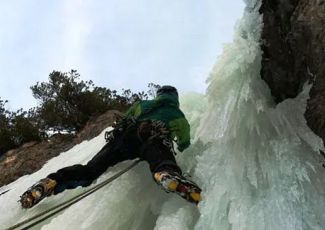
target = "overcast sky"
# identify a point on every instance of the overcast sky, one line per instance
(116, 43)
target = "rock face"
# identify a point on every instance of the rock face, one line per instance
(32, 156)
(294, 52)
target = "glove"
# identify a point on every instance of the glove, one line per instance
(181, 148)
(184, 145)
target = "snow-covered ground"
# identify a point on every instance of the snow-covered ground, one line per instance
(258, 164)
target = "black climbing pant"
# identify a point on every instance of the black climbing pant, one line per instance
(133, 142)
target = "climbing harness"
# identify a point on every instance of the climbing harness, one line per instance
(28, 223)
(118, 127)
(148, 130)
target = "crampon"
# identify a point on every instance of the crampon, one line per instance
(37, 192)
(172, 182)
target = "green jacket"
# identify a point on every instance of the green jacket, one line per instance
(165, 108)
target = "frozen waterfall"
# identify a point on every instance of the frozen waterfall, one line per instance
(257, 163)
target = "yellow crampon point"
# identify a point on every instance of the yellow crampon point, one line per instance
(172, 186)
(196, 196)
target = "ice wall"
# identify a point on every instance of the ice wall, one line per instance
(258, 163)
(261, 168)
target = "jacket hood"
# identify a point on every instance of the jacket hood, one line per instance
(167, 99)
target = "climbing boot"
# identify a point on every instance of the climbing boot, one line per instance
(173, 182)
(37, 192)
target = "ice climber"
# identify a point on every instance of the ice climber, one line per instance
(147, 132)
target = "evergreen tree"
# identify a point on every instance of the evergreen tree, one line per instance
(66, 104)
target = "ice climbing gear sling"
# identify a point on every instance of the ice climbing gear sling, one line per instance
(28, 223)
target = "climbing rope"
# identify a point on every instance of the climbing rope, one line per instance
(4, 192)
(58, 208)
